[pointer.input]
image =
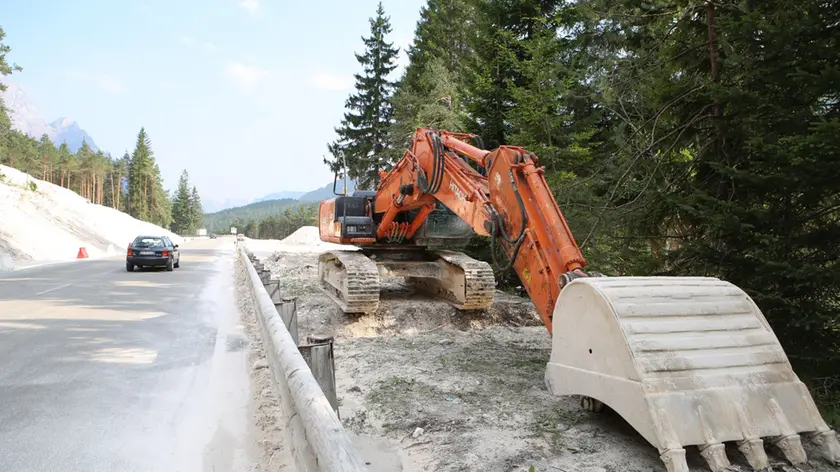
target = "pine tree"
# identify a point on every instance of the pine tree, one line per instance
(433, 103)
(196, 213)
(5, 122)
(5, 67)
(181, 206)
(160, 202)
(363, 134)
(729, 152)
(139, 170)
(118, 178)
(502, 30)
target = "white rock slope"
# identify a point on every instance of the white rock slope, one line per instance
(51, 223)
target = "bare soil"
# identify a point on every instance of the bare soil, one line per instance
(461, 392)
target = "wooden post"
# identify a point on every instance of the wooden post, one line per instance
(273, 289)
(318, 354)
(287, 309)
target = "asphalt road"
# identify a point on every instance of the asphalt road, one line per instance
(105, 370)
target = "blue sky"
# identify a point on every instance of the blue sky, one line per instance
(244, 94)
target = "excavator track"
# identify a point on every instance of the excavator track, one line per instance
(474, 290)
(351, 280)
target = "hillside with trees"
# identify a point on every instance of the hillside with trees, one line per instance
(679, 139)
(131, 183)
(269, 219)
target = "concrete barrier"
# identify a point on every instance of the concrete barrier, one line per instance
(314, 433)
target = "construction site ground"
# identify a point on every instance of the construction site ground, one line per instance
(445, 391)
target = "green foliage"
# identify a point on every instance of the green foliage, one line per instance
(147, 199)
(195, 213)
(363, 133)
(5, 67)
(727, 155)
(269, 219)
(187, 216)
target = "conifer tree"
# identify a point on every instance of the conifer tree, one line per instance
(139, 187)
(196, 213)
(181, 206)
(363, 133)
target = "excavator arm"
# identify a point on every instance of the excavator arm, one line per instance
(685, 360)
(512, 204)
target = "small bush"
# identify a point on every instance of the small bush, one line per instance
(33, 186)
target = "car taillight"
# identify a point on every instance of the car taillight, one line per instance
(129, 252)
(165, 253)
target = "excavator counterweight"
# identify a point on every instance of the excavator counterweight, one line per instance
(686, 361)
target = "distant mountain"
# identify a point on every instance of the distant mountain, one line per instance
(213, 206)
(280, 195)
(26, 119)
(326, 191)
(221, 221)
(67, 131)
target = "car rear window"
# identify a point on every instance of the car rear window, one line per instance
(149, 242)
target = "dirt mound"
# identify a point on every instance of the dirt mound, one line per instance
(304, 236)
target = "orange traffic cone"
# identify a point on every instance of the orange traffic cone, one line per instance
(82, 253)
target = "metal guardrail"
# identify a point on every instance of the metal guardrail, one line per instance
(313, 431)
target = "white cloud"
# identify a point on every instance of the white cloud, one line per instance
(250, 5)
(187, 41)
(106, 82)
(245, 76)
(337, 83)
(209, 47)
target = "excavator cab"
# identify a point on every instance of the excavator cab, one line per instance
(348, 218)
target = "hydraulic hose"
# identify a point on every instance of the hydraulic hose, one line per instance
(431, 185)
(499, 228)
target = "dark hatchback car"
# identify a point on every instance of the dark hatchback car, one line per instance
(152, 251)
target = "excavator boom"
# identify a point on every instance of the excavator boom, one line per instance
(685, 360)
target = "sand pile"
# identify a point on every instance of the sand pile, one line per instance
(305, 236)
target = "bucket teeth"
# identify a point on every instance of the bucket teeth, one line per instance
(789, 441)
(828, 446)
(753, 450)
(715, 455)
(791, 447)
(674, 460)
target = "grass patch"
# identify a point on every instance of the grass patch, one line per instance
(826, 394)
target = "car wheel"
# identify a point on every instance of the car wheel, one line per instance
(129, 267)
(169, 266)
(178, 264)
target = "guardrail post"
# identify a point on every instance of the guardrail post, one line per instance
(287, 309)
(273, 289)
(319, 355)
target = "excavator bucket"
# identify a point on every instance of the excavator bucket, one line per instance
(686, 361)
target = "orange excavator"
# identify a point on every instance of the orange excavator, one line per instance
(685, 360)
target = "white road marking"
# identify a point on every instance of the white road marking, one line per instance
(53, 289)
